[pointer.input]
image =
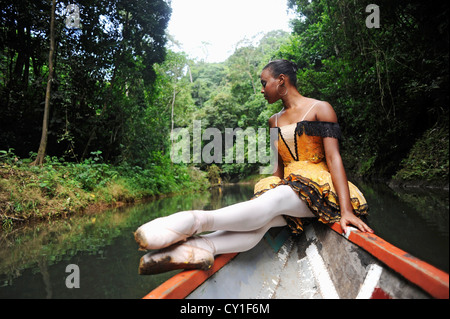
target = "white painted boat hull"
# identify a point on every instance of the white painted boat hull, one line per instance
(319, 264)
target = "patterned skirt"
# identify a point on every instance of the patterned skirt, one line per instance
(313, 184)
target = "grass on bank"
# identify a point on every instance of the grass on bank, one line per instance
(59, 188)
(428, 159)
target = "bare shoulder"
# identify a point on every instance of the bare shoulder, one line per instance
(325, 112)
(272, 120)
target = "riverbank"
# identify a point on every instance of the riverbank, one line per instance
(60, 189)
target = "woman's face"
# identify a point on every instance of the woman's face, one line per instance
(269, 86)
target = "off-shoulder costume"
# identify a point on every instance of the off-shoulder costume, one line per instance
(300, 146)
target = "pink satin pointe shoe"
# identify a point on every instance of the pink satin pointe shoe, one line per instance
(165, 231)
(178, 256)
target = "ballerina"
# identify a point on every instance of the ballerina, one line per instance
(309, 183)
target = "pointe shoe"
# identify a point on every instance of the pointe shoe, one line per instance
(165, 231)
(178, 256)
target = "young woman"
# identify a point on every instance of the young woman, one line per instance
(309, 182)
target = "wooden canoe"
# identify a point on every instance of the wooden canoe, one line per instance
(322, 263)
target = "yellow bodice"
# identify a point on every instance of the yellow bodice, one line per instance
(301, 148)
(303, 141)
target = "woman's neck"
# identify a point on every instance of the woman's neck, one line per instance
(293, 99)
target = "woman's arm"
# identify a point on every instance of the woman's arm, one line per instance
(340, 182)
(334, 161)
(279, 171)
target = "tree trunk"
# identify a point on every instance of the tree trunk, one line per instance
(43, 145)
(173, 105)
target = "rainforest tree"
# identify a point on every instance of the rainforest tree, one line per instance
(387, 84)
(103, 70)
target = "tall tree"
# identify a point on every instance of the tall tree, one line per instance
(387, 84)
(100, 77)
(43, 144)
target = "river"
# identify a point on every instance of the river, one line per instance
(34, 259)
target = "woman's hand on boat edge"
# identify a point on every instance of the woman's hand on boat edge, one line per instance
(350, 219)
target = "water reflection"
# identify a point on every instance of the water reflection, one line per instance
(415, 220)
(33, 260)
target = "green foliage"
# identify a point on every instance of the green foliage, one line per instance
(60, 188)
(387, 85)
(232, 89)
(118, 93)
(428, 158)
(213, 174)
(8, 156)
(103, 72)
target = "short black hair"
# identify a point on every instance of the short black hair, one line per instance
(285, 67)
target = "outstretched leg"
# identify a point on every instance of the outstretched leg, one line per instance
(242, 217)
(223, 242)
(198, 252)
(256, 213)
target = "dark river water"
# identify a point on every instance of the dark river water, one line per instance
(34, 259)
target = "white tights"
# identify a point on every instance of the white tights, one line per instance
(241, 226)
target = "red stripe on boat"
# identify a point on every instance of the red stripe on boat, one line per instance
(379, 293)
(182, 284)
